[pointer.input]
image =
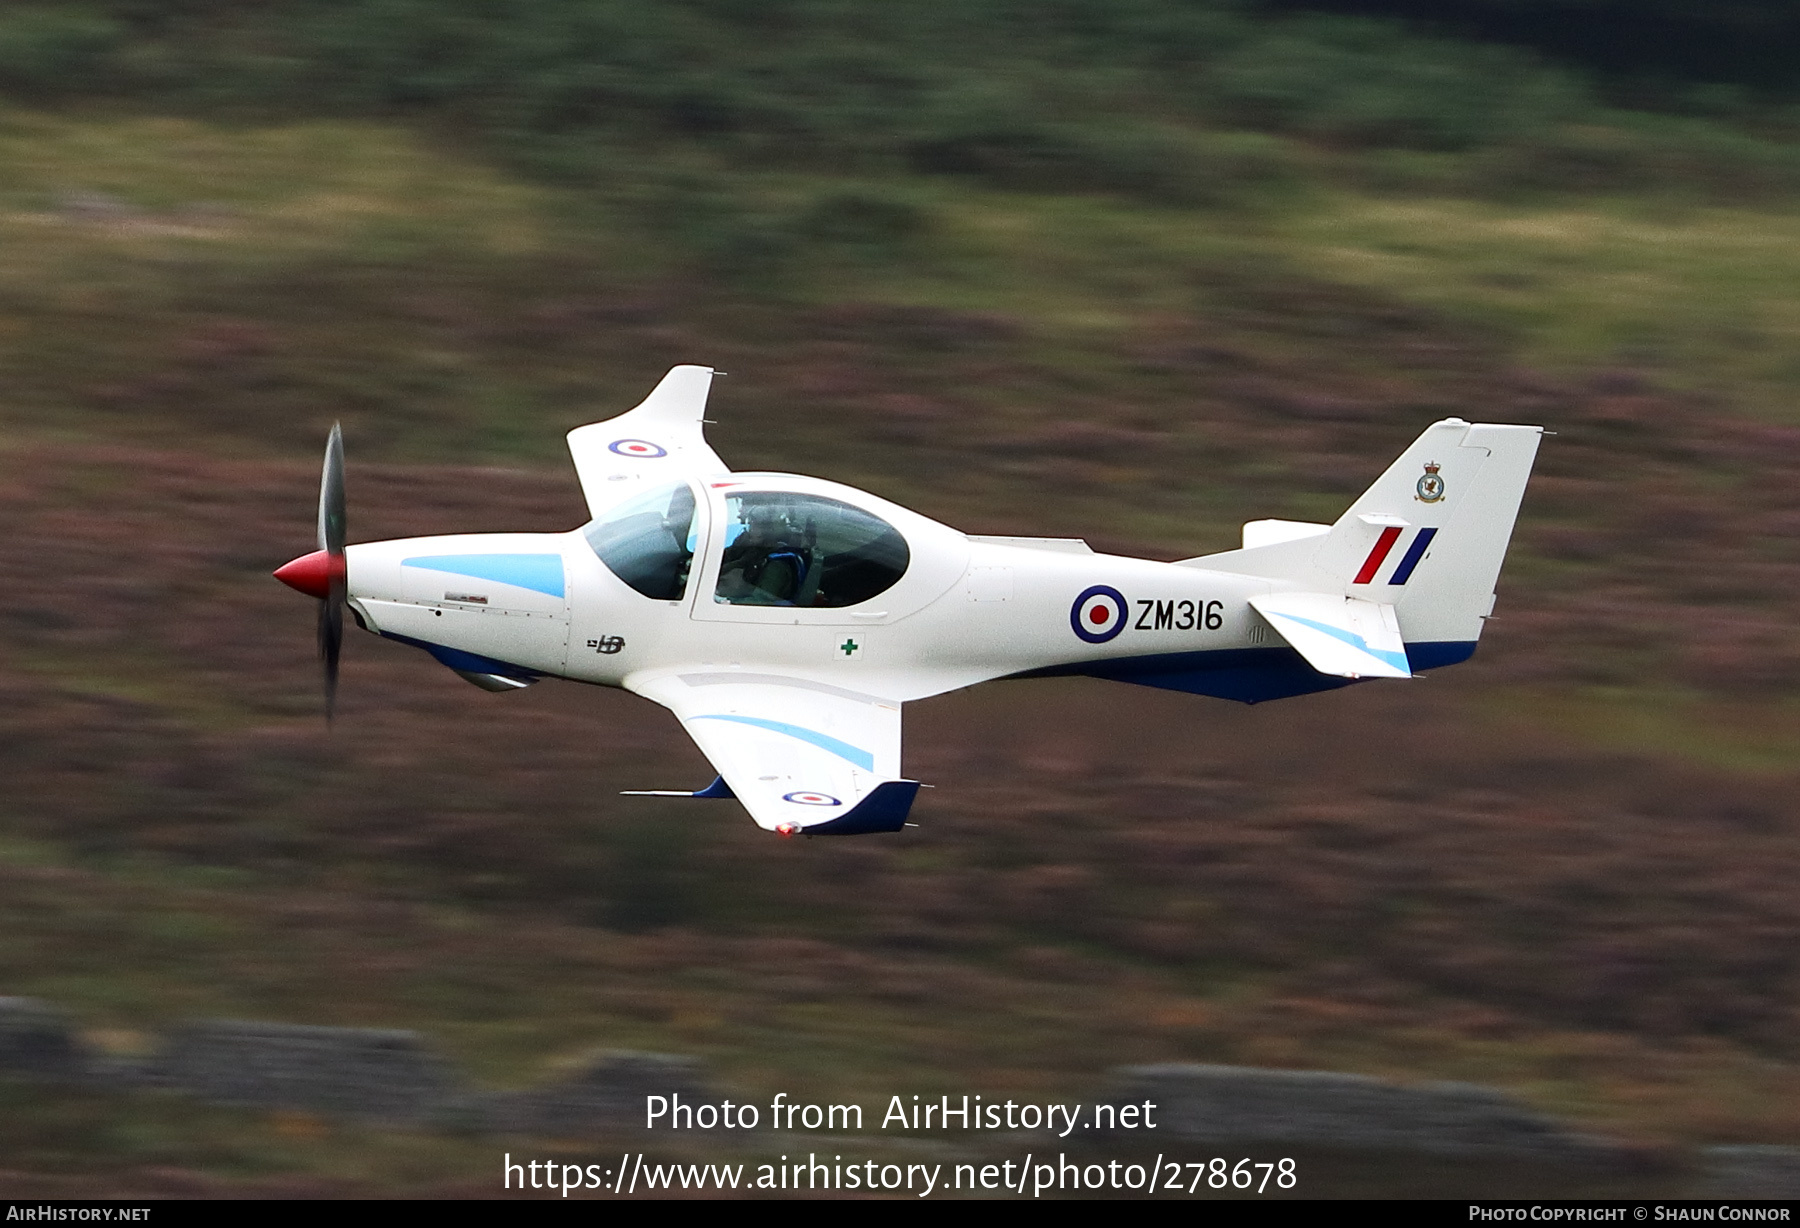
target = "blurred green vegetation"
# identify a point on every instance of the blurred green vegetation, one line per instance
(448, 197)
(247, 284)
(1077, 95)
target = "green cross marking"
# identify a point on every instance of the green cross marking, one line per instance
(849, 647)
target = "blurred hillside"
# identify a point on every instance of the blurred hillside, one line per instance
(1133, 271)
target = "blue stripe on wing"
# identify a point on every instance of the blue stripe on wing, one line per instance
(843, 750)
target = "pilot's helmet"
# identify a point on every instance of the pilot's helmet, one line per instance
(765, 521)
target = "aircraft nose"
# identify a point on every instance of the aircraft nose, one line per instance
(311, 573)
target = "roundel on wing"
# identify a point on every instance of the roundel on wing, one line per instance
(807, 797)
(639, 449)
(1098, 614)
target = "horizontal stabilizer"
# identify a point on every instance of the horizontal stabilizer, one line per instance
(1346, 637)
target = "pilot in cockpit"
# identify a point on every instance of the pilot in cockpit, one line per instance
(767, 564)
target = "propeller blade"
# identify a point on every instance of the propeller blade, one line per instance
(331, 495)
(331, 541)
(331, 642)
(322, 574)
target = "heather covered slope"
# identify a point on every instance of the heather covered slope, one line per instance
(1561, 868)
(1495, 874)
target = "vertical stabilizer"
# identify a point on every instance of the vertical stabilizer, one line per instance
(1428, 538)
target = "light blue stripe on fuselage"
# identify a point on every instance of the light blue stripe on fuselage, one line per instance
(1395, 659)
(541, 573)
(843, 750)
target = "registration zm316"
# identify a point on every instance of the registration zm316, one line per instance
(1179, 615)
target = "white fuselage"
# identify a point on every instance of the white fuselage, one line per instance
(964, 611)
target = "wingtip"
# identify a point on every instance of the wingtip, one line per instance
(883, 808)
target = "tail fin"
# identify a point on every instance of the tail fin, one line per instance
(1427, 538)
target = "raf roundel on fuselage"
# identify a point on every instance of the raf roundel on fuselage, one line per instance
(1099, 614)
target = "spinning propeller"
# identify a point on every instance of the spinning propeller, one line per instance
(321, 573)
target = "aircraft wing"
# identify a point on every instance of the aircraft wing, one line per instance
(800, 755)
(662, 440)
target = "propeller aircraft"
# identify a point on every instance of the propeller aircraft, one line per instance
(785, 620)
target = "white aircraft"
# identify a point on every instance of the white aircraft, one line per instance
(785, 619)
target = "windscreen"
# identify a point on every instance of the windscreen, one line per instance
(648, 542)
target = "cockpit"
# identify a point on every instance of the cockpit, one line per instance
(778, 548)
(787, 549)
